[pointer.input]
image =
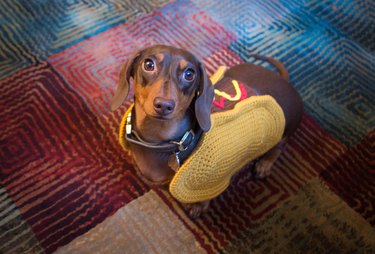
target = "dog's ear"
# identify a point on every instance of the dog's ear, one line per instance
(126, 73)
(204, 100)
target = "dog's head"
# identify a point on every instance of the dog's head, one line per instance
(167, 82)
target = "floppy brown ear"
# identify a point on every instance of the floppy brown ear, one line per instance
(127, 71)
(204, 100)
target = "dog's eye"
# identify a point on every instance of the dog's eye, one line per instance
(189, 75)
(148, 65)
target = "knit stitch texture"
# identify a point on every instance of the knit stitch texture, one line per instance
(236, 137)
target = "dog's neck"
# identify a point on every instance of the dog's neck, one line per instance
(156, 131)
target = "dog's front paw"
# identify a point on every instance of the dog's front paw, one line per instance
(195, 210)
(263, 168)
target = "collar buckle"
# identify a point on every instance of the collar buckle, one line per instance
(186, 140)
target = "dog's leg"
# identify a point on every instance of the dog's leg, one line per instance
(265, 163)
(196, 209)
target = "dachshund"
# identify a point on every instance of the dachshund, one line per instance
(173, 95)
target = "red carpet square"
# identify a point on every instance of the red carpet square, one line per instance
(60, 169)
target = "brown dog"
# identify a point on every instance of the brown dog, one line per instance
(173, 98)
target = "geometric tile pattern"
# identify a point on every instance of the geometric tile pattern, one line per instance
(67, 185)
(52, 167)
(289, 228)
(355, 184)
(16, 235)
(328, 64)
(146, 225)
(358, 13)
(26, 35)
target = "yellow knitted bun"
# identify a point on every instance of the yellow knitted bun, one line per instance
(125, 145)
(236, 137)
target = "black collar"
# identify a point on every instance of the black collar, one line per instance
(172, 146)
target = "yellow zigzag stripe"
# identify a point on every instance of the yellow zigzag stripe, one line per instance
(219, 75)
(227, 96)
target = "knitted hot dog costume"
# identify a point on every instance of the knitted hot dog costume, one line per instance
(236, 137)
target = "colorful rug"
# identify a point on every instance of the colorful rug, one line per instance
(66, 185)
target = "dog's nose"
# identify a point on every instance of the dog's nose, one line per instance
(163, 106)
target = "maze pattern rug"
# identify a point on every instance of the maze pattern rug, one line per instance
(66, 186)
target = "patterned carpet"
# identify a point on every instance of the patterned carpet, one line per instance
(66, 186)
